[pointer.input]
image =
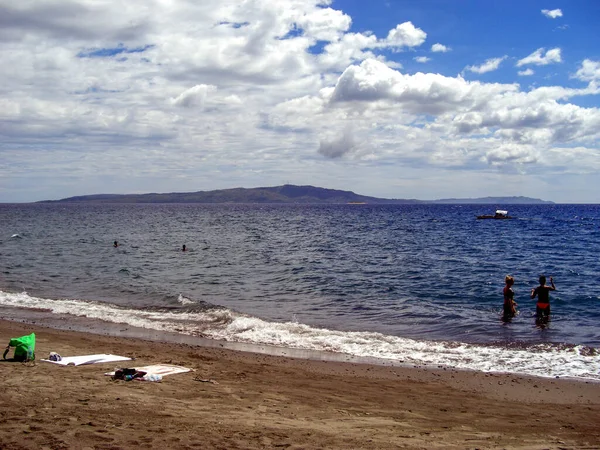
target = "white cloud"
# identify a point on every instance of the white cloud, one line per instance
(195, 96)
(324, 24)
(337, 146)
(538, 57)
(232, 100)
(488, 66)
(589, 71)
(511, 153)
(439, 48)
(525, 73)
(552, 14)
(352, 47)
(422, 59)
(421, 93)
(405, 35)
(500, 112)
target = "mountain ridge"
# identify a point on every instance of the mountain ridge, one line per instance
(286, 193)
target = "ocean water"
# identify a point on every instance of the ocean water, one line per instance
(407, 284)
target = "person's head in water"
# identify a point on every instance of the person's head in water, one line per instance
(116, 244)
(183, 249)
(542, 280)
(509, 280)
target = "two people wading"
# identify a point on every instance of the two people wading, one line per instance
(542, 292)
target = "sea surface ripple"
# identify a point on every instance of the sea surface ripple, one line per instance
(339, 274)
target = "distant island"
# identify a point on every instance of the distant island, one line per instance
(284, 194)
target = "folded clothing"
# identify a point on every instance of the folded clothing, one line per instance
(128, 374)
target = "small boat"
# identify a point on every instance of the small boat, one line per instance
(500, 214)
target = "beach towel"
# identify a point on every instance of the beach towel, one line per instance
(87, 359)
(24, 348)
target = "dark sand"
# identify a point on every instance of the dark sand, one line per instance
(261, 401)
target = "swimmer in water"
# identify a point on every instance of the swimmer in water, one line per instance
(542, 292)
(510, 309)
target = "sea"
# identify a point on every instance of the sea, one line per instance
(408, 285)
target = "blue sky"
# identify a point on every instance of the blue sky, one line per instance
(400, 99)
(479, 30)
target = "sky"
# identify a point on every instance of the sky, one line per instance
(422, 99)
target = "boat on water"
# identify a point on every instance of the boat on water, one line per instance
(500, 214)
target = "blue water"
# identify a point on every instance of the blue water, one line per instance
(385, 281)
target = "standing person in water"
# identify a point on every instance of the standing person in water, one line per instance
(183, 249)
(115, 244)
(510, 307)
(542, 292)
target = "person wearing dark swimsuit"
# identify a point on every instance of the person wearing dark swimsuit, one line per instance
(510, 310)
(542, 292)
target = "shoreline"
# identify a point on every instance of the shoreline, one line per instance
(84, 324)
(68, 322)
(265, 400)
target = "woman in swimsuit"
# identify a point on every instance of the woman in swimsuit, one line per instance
(510, 310)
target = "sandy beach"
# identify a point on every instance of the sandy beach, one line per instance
(241, 400)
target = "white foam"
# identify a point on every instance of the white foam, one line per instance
(184, 300)
(222, 324)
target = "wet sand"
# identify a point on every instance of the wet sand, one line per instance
(261, 401)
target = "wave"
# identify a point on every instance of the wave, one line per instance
(544, 360)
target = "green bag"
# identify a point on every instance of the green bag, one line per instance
(24, 348)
